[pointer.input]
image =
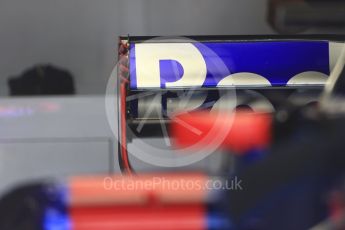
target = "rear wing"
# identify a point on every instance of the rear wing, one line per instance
(231, 61)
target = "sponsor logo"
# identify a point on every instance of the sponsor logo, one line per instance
(271, 63)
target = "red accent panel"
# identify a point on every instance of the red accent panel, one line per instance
(145, 202)
(179, 217)
(248, 130)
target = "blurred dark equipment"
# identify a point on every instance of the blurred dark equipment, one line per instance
(22, 208)
(42, 80)
(294, 16)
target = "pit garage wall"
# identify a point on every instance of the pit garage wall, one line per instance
(81, 35)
